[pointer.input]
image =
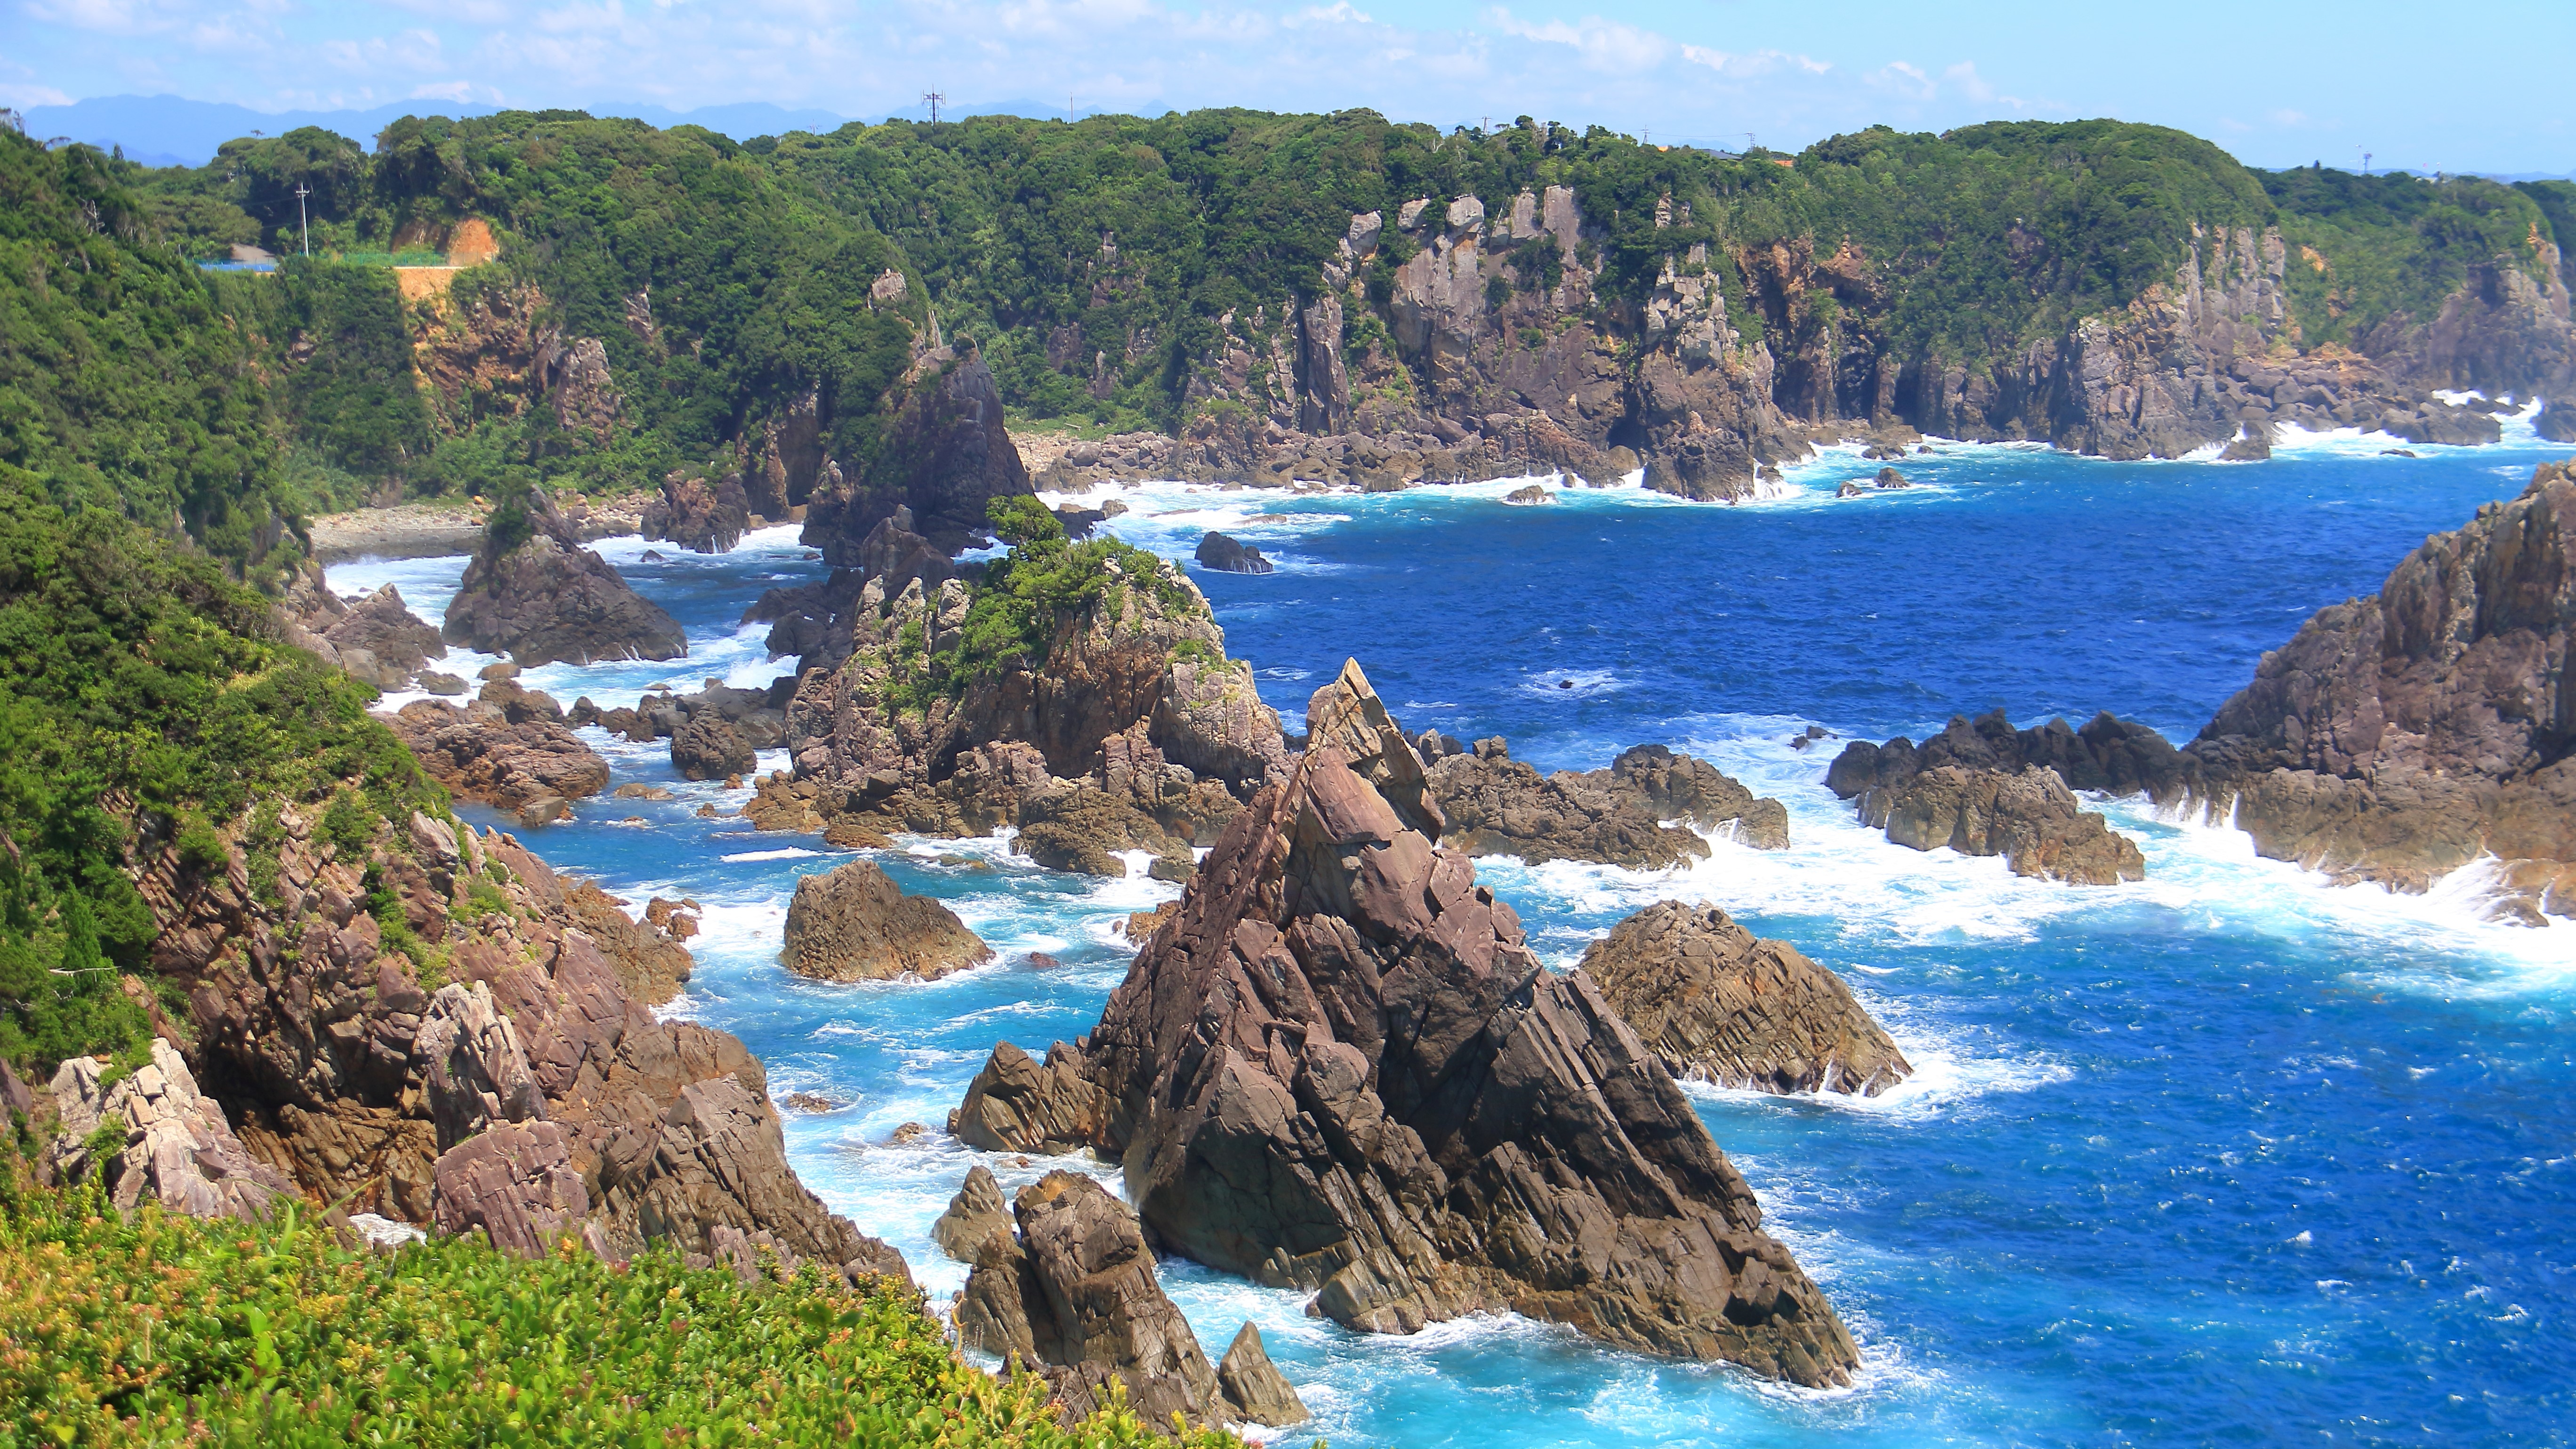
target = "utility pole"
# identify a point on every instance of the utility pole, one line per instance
(303, 226)
(933, 99)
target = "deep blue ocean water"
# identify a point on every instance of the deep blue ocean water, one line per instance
(2231, 1156)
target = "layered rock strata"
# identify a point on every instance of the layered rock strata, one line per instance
(1716, 1004)
(851, 923)
(2400, 737)
(1496, 805)
(542, 598)
(1075, 1294)
(533, 1094)
(1989, 789)
(1340, 1068)
(533, 768)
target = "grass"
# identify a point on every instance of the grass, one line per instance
(165, 1330)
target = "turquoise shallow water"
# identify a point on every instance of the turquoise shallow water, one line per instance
(2229, 1156)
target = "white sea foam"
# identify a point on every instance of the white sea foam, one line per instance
(790, 852)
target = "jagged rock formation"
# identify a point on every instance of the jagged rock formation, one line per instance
(976, 1213)
(1227, 555)
(944, 455)
(2399, 737)
(1075, 1295)
(542, 597)
(376, 639)
(1133, 731)
(177, 1147)
(1496, 805)
(2031, 819)
(533, 768)
(1339, 1067)
(698, 515)
(851, 923)
(1718, 1005)
(2109, 755)
(535, 1093)
(1016, 1104)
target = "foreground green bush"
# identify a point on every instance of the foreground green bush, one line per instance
(164, 1330)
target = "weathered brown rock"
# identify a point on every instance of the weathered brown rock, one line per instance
(517, 1183)
(541, 597)
(974, 1215)
(1016, 1104)
(1077, 1291)
(1715, 1004)
(708, 748)
(380, 641)
(512, 766)
(1497, 806)
(944, 454)
(2399, 737)
(2030, 819)
(852, 923)
(1254, 1387)
(1340, 1068)
(2110, 755)
(699, 515)
(178, 1147)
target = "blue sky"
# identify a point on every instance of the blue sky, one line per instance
(2464, 87)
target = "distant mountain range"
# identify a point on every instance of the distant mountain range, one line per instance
(172, 131)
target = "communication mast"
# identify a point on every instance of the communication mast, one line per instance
(934, 100)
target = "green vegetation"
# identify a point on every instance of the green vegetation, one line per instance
(1025, 600)
(164, 1330)
(144, 704)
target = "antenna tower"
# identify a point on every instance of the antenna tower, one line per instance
(934, 100)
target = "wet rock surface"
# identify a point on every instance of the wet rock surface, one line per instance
(852, 923)
(2030, 819)
(542, 598)
(1224, 554)
(1716, 1004)
(1340, 1068)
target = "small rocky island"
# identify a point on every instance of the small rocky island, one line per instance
(534, 593)
(1989, 789)
(1339, 1067)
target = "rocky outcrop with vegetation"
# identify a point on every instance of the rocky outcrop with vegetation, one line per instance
(945, 457)
(534, 593)
(1340, 1068)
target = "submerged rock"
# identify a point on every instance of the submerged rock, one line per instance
(1341, 1068)
(1718, 1005)
(854, 924)
(534, 593)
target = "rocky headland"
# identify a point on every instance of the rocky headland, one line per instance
(1717, 1004)
(2400, 737)
(1338, 1067)
(534, 593)
(431, 1025)
(943, 457)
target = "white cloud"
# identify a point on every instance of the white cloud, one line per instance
(1753, 63)
(2287, 118)
(1607, 45)
(1905, 79)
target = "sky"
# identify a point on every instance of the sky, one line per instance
(2474, 88)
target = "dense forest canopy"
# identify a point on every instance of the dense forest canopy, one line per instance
(728, 286)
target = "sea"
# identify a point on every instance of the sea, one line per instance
(2230, 1156)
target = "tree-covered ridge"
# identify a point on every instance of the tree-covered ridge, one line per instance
(146, 712)
(128, 378)
(723, 297)
(158, 1329)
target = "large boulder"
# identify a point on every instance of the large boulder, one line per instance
(534, 593)
(974, 1215)
(1496, 805)
(1718, 1005)
(1253, 1385)
(1227, 555)
(2400, 737)
(698, 515)
(1077, 1294)
(1341, 1068)
(710, 747)
(516, 1183)
(852, 923)
(944, 453)
(2030, 819)
(1017, 1104)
